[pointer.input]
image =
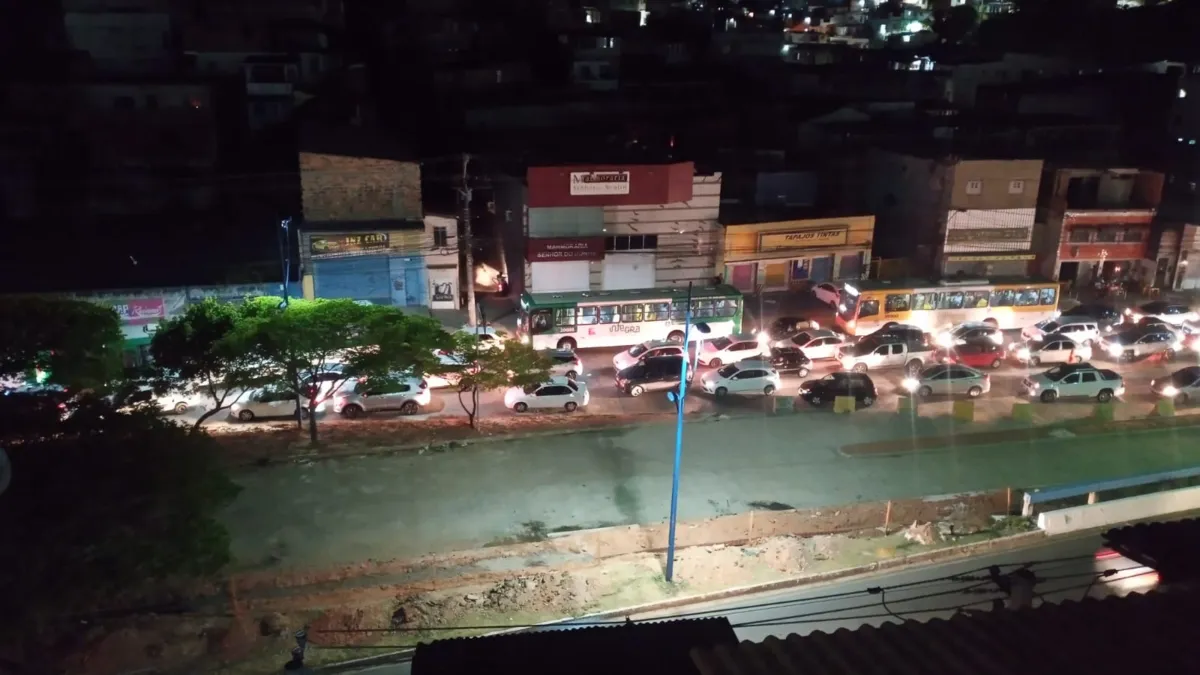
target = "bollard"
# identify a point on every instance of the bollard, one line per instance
(844, 404)
(1027, 505)
(907, 405)
(1165, 407)
(1022, 411)
(785, 404)
(964, 411)
(1104, 412)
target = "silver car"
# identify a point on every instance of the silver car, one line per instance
(1139, 342)
(949, 380)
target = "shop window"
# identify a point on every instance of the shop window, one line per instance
(1048, 296)
(1133, 235)
(631, 313)
(924, 302)
(896, 302)
(631, 242)
(564, 319)
(868, 308)
(1081, 235)
(1107, 235)
(1027, 298)
(441, 237)
(1003, 298)
(976, 299)
(952, 300)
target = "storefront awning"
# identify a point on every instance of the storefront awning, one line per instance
(991, 258)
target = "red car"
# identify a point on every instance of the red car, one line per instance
(975, 355)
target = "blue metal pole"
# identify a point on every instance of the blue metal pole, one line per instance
(683, 372)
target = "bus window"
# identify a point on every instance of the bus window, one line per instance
(724, 308)
(539, 321)
(1027, 298)
(952, 300)
(896, 303)
(589, 316)
(658, 311)
(679, 311)
(1003, 298)
(976, 300)
(1048, 296)
(610, 314)
(868, 308)
(702, 309)
(564, 319)
(924, 301)
(631, 313)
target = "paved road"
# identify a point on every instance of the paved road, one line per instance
(1065, 567)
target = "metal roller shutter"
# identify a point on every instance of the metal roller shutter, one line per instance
(359, 278)
(628, 270)
(552, 277)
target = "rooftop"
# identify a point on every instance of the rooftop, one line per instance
(747, 214)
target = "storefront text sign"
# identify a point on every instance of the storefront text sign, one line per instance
(991, 258)
(558, 250)
(599, 183)
(834, 236)
(322, 245)
(987, 234)
(141, 311)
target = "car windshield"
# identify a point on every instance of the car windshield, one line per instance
(728, 371)
(1153, 307)
(802, 339)
(638, 350)
(1048, 325)
(1184, 377)
(722, 343)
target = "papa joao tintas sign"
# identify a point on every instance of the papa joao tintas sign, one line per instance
(599, 183)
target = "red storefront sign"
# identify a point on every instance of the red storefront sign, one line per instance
(141, 311)
(1110, 251)
(609, 185)
(559, 250)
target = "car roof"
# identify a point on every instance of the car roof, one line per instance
(818, 332)
(974, 324)
(744, 337)
(1193, 370)
(651, 344)
(747, 364)
(558, 379)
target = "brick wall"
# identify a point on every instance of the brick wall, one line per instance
(340, 188)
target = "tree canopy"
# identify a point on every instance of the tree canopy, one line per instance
(76, 342)
(485, 367)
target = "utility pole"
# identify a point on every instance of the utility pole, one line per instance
(468, 243)
(285, 257)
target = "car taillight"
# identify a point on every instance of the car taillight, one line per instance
(1107, 554)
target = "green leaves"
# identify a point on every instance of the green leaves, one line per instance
(487, 367)
(77, 342)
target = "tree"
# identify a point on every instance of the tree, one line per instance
(98, 509)
(191, 354)
(956, 24)
(308, 341)
(484, 367)
(76, 342)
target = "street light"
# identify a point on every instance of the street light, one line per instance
(678, 398)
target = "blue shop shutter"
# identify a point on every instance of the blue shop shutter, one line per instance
(357, 278)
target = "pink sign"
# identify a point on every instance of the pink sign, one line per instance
(141, 311)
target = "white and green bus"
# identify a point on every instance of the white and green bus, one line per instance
(622, 318)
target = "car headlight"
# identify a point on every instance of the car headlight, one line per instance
(910, 384)
(1023, 353)
(1169, 391)
(1136, 317)
(1178, 345)
(1034, 385)
(945, 340)
(997, 338)
(1114, 350)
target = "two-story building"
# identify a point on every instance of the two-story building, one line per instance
(765, 253)
(1098, 223)
(609, 227)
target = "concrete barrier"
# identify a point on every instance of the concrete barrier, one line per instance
(1078, 518)
(1022, 411)
(907, 405)
(964, 411)
(844, 404)
(1165, 407)
(1104, 412)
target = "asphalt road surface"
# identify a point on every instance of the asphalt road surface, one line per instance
(1066, 569)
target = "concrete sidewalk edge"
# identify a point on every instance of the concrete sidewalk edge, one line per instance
(938, 555)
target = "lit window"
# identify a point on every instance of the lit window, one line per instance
(974, 187)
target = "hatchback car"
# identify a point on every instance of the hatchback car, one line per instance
(732, 349)
(822, 392)
(557, 393)
(1170, 312)
(789, 360)
(1182, 385)
(901, 332)
(1139, 342)
(1081, 330)
(406, 395)
(975, 355)
(1106, 316)
(816, 344)
(1050, 350)
(949, 381)
(828, 294)
(747, 377)
(646, 350)
(267, 402)
(786, 326)
(564, 363)
(657, 374)
(969, 333)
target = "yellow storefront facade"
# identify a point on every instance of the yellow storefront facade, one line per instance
(791, 253)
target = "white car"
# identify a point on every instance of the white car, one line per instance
(1082, 330)
(1141, 341)
(732, 349)
(646, 350)
(1050, 350)
(559, 393)
(1182, 385)
(489, 336)
(1169, 312)
(949, 380)
(970, 331)
(564, 363)
(828, 294)
(407, 395)
(816, 344)
(746, 377)
(268, 402)
(443, 380)
(1080, 380)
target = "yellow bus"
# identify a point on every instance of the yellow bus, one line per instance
(935, 305)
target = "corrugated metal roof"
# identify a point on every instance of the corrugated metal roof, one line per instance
(1152, 633)
(658, 648)
(1172, 548)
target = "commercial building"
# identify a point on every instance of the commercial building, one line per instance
(614, 227)
(779, 254)
(1098, 224)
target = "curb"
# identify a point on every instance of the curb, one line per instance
(1001, 543)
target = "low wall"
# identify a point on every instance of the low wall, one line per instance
(1093, 516)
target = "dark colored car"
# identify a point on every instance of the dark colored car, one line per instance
(822, 392)
(790, 360)
(1105, 315)
(975, 355)
(786, 326)
(655, 374)
(897, 332)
